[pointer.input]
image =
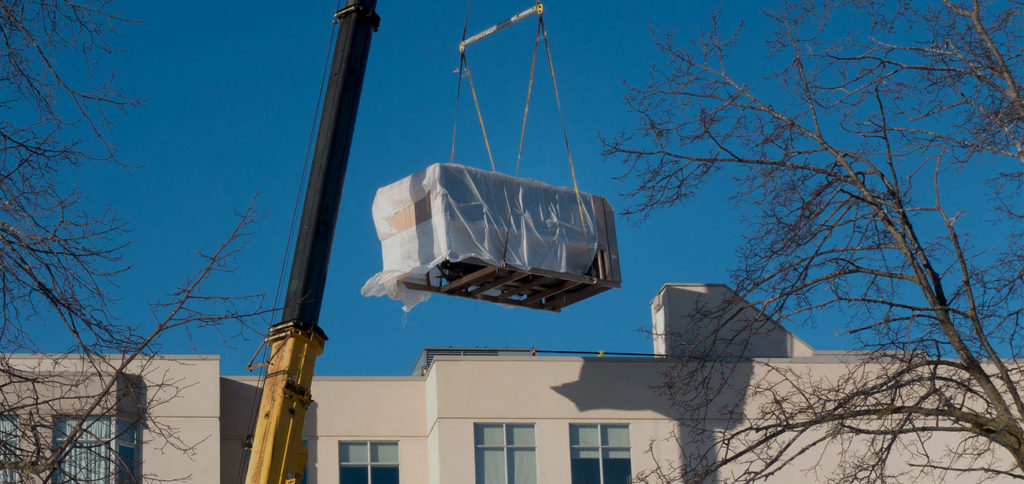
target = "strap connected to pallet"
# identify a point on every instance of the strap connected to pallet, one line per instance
(565, 134)
(522, 136)
(529, 92)
(538, 9)
(479, 115)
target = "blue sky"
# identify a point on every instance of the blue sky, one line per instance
(230, 91)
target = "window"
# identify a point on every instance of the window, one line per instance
(305, 465)
(368, 462)
(8, 447)
(505, 454)
(105, 448)
(599, 454)
(127, 444)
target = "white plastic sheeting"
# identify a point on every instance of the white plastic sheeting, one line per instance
(455, 213)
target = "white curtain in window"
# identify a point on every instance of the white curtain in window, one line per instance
(8, 448)
(88, 459)
(522, 466)
(490, 466)
(615, 436)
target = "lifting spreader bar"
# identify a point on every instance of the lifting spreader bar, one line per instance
(536, 9)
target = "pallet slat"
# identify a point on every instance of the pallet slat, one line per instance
(534, 289)
(467, 280)
(526, 288)
(515, 276)
(535, 298)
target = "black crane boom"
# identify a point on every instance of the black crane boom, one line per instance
(277, 454)
(330, 160)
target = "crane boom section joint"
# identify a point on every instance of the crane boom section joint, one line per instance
(359, 10)
(286, 398)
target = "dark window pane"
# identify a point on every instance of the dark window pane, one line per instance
(385, 475)
(355, 475)
(127, 465)
(586, 471)
(616, 471)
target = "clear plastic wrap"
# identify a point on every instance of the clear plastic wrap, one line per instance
(456, 213)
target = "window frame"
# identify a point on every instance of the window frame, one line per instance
(505, 446)
(118, 428)
(369, 464)
(122, 428)
(601, 447)
(9, 439)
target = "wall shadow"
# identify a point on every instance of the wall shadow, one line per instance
(704, 397)
(236, 416)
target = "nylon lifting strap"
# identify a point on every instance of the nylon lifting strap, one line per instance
(529, 92)
(464, 67)
(565, 134)
(522, 136)
(479, 115)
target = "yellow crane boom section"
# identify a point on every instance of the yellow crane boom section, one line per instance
(278, 455)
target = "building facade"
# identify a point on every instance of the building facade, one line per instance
(506, 416)
(52, 397)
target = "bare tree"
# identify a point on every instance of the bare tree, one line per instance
(878, 163)
(76, 405)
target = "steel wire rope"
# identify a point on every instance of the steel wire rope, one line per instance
(464, 67)
(254, 406)
(458, 89)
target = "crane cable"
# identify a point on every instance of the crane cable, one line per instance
(458, 89)
(254, 407)
(464, 67)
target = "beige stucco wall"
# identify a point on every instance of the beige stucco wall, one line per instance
(711, 318)
(192, 413)
(182, 393)
(432, 418)
(549, 392)
(391, 409)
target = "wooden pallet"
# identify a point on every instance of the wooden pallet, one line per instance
(535, 289)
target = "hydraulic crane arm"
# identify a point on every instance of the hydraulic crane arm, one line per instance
(277, 454)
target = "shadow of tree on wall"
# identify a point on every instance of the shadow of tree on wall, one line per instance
(701, 411)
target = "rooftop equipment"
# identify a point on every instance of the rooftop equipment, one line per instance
(455, 230)
(461, 231)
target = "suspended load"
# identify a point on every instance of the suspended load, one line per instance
(456, 230)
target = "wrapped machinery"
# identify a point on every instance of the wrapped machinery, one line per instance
(466, 232)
